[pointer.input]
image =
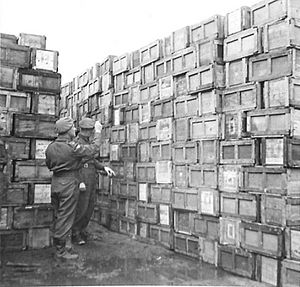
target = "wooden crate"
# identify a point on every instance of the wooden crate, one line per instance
(210, 28)
(43, 103)
(34, 126)
(240, 205)
(38, 148)
(129, 152)
(105, 99)
(106, 65)
(145, 112)
(268, 270)
(180, 175)
(280, 211)
(203, 175)
(206, 227)
(274, 122)
(143, 192)
(15, 56)
(44, 59)
(118, 134)
(119, 82)
(180, 85)
(237, 261)
(39, 238)
(208, 250)
(281, 92)
(38, 81)
(113, 224)
(131, 208)
(163, 170)
(148, 92)
(33, 41)
(236, 72)
(186, 106)
(209, 51)
(161, 151)
(17, 148)
(145, 172)
(133, 77)
(184, 61)
(185, 152)
(292, 243)
(13, 240)
(183, 221)
(206, 77)
(119, 116)
(180, 39)
(104, 148)
(187, 245)
(106, 115)
(161, 193)
(147, 212)
(128, 226)
(234, 125)
(94, 86)
(6, 218)
(237, 20)
(114, 152)
(163, 67)
(164, 129)
(120, 64)
(150, 53)
(8, 77)
(290, 273)
(120, 98)
(162, 235)
(162, 109)
(263, 239)
(165, 215)
(132, 133)
(106, 82)
(104, 183)
(166, 46)
(209, 102)
(148, 131)
(182, 129)
(245, 152)
(230, 231)
(7, 39)
(115, 189)
(32, 216)
(242, 44)
(148, 73)
(274, 65)
(129, 170)
(268, 11)
(132, 113)
(230, 178)
(243, 97)
(31, 170)
(209, 201)
(15, 195)
(288, 29)
(134, 94)
(206, 127)
(186, 198)
(143, 151)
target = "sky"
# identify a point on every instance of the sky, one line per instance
(87, 31)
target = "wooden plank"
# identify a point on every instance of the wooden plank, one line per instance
(290, 273)
(44, 59)
(237, 20)
(263, 239)
(210, 28)
(274, 65)
(280, 211)
(237, 72)
(38, 81)
(33, 41)
(15, 56)
(34, 126)
(203, 175)
(135, 59)
(243, 44)
(268, 270)
(206, 77)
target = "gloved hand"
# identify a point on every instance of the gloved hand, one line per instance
(109, 171)
(98, 127)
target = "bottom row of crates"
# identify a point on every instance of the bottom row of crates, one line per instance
(274, 270)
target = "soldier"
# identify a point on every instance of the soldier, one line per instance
(63, 158)
(88, 177)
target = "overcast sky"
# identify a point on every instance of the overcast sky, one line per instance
(86, 31)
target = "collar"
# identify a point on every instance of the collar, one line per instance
(63, 138)
(85, 138)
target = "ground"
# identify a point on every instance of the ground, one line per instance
(113, 259)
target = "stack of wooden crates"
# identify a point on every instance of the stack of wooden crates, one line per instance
(202, 129)
(29, 99)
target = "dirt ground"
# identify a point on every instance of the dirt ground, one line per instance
(113, 259)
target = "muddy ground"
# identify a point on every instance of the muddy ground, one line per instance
(113, 259)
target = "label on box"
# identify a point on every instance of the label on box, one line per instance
(42, 193)
(40, 148)
(45, 60)
(274, 151)
(143, 191)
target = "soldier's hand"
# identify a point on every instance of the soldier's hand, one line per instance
(109, 171)
(98, 127)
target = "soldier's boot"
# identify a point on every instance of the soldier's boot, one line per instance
(62, 252)
(69, 245)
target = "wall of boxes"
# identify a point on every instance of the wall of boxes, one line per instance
(202, 129)
(29, 107)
